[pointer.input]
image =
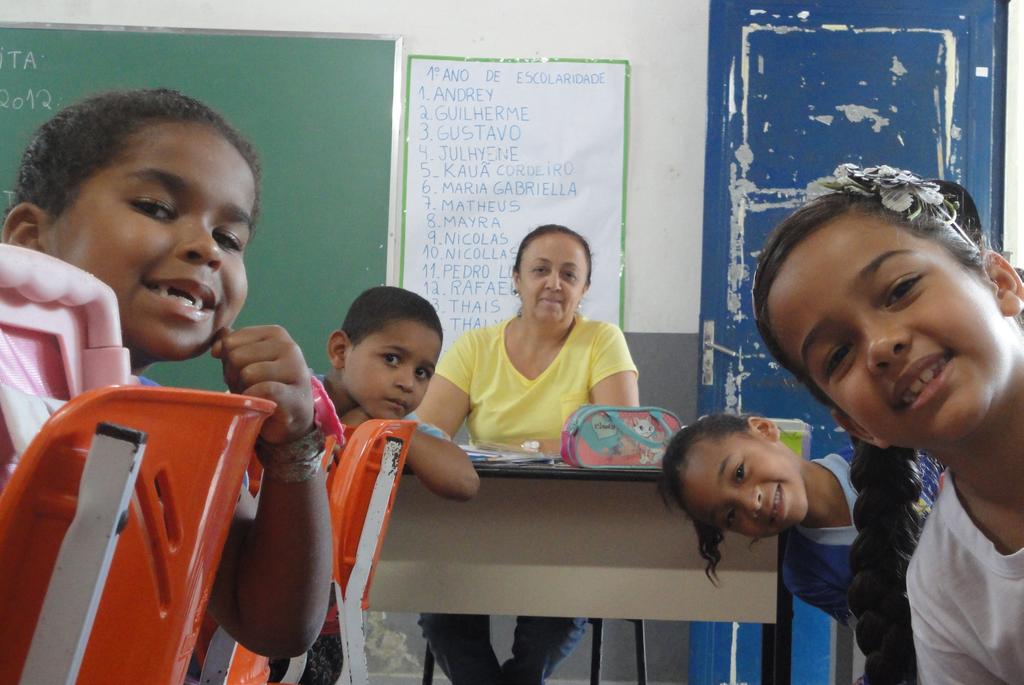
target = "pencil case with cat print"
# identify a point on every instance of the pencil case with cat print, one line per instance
(597, 436)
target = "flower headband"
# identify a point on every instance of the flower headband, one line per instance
(898, 190)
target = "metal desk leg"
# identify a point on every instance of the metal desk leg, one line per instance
(641, 651)
(428, 667)
(597, 634)
(777, 640)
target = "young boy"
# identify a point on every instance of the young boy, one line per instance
(382, 359)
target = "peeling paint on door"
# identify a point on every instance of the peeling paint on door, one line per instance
(794, 91)
(858, 113)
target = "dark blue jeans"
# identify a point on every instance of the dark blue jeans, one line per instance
(461, 645)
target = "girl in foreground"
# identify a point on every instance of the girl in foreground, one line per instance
(157, 195)
(878, 299)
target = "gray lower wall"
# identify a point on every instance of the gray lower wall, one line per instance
(668, 366)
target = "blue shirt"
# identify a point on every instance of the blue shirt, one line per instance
(816, 566)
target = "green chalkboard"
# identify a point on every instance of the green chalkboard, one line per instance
(319, 109)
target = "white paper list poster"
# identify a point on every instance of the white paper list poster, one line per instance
(495, 148)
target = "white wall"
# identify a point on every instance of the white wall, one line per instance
(664, 40)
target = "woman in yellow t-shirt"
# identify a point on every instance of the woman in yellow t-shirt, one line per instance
(518, 381)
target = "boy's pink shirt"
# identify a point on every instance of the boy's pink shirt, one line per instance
(324, 414)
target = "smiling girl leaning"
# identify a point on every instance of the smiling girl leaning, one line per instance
(878, 298)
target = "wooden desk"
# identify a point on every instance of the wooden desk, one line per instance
(557, 541)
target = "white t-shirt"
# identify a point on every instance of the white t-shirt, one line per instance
(967, 601)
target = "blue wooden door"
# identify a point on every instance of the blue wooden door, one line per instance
(794, 89)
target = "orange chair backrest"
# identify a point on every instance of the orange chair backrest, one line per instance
(375, 444)
(199, 444)
(225, 662)
(248, 668)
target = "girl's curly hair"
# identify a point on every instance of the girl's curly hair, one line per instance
(88, 135)
(673, 464)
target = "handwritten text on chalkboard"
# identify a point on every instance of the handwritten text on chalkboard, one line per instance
(18, 97)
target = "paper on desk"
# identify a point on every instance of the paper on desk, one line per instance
(495, 453)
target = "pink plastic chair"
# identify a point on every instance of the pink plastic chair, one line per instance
(60, 334)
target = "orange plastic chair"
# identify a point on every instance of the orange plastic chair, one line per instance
(361, 491)
(361, 485)
(198, 447)
(60, 335)
(80, 558)
(225, 662)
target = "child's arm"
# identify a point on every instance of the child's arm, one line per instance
(445, 405)
(439, 464)
(272, 586)
(818, 591)
(442, 467)
(818, 572)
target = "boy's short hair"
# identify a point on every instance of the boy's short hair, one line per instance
(383, 305)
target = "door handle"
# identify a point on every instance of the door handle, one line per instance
(708, 349)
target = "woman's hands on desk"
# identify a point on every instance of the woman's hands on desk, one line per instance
(446, 406)
(549, 446)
